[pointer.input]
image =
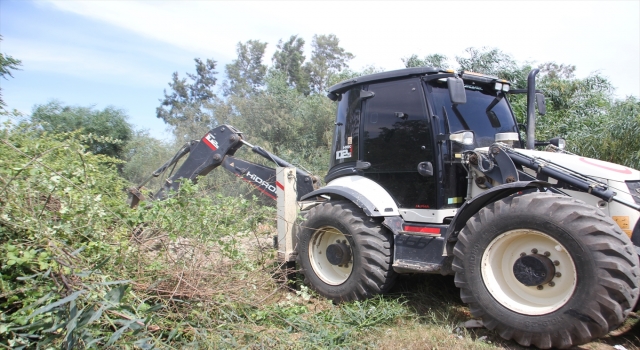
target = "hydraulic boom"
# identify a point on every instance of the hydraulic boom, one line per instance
(217, 147)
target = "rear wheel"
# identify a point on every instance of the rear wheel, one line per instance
(343, 254)
(546, 270)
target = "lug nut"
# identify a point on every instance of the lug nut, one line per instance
(540, 287)
(558, 274)
(552, 283)
(547, 254)
(523, 254)
(534, 251)
(556, 262)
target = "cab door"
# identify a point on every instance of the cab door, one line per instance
(396, 139)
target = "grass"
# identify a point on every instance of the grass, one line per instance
(196, 271)
(254, 308)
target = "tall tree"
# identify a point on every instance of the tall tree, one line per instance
(188, 100)
(434, 60)
(327, 59)
(494, 62)
(246, 73)
(110, 123)
(7, 64)
(557, 71)
(289, 59)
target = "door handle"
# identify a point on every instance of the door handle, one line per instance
(425, 169)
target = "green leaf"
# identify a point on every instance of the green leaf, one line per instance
(145, 343)
(114, 282)
(116, 294)
(70, 339)
(93, 342)
(50, 307)
(89, 315)
(154, 308)
(172, 334)
(38, 302)
(116, 335)
(79, 250)
(100, 264)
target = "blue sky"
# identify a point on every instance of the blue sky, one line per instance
(122, 53)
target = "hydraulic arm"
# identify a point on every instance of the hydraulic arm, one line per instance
(508, 168)
(216, 148)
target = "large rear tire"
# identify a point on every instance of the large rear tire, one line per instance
(343, 254)
(546, 270)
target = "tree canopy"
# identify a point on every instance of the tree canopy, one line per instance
(327, 59)
(7, 64)
(246, 73)
(289, 59)
(188, 99)
(283, 106)
(110, 125)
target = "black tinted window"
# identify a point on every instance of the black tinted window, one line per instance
(345, 138)
(482, 114)
(396, 128)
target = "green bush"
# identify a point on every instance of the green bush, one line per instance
(61, 224)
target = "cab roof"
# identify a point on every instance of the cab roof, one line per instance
(407, 72)
(400, 73)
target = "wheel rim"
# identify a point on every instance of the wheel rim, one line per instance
(327, 272)
(497, 272)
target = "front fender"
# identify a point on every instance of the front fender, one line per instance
(365, 193)
(472, 206)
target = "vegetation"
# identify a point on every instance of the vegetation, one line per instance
(109, 124)
(79, 269)
(7, 64)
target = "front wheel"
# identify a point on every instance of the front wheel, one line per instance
(546, 270)
(343, 254)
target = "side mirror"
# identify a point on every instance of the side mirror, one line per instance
(456, 90)
(542, 108)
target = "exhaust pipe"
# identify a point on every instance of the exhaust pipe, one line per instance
(531, 109)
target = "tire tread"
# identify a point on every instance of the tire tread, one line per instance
(617, 290)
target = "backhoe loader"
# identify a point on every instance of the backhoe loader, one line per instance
(429, 173)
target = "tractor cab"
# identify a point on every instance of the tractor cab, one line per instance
(407, 129)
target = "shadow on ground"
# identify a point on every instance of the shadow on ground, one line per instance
(436, 300)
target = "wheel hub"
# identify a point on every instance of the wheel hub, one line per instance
(338, 253)
(534, 270)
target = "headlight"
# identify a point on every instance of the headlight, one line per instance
(558, 142)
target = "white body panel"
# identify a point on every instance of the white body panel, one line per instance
(586, 166)
(427, 215)
(370, 191)
(611, 174)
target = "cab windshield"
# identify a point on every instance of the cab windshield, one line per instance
(486, 112)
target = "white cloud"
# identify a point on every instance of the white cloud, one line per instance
(602, 36)
(84, 63)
